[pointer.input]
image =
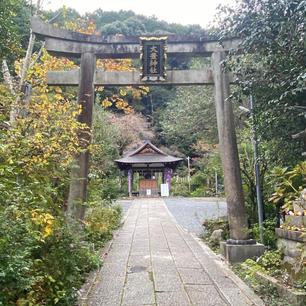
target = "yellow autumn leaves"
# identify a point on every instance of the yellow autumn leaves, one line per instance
(119, 102)
(44, 221)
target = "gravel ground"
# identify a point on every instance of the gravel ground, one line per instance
(191, 213)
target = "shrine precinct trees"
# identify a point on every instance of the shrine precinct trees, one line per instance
(189, 116)
(271, 65)
(9, 36)
(42, 261)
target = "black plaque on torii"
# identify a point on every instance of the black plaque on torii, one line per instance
(153, 58)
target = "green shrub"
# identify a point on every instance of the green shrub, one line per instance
(212, 225)
(101, 221)
(215, 224)
(198, 180)
(36, 269)
(267, 291)
(199, 192)
(100, 189)
(110, 189)
(16, 261)
(270, 263)
(179, 188)
(269, 236)
(288, 185)
(60, 264)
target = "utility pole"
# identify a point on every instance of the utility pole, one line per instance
(188, 163)
(151, 102)
(257, 171)
(216, 181)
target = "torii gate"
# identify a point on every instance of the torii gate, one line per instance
(89, 47)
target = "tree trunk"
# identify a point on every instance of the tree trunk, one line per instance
(229, 153)
(7, 77)
(9, 82)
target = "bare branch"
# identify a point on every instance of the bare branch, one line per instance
(7, 77)
(55, 17)
(38, 55)
(8, 81)
(27, 60)
(25, 67)
(301, 134)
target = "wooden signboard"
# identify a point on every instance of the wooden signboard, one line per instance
(153, 58)
(148, 184)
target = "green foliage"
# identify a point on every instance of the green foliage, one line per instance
(8, 30)
(198, 181)
(274, 30)
(246, 158)
(268, 228)
(36, 271)
(215, 224)
(288, 184)
(101, 221)
(16, 247)
(60, 266)
(212, 225)
(128, 23)
(198, 192)
(189, 117)
(43, 262)
(131, 26)
(105, 188)
(271, 261)
(271, 65)
(179, 188)
(265, 290)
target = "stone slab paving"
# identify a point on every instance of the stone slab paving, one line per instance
(153, 261)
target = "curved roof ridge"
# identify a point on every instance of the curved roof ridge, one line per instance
(153, 158)
(147, 142)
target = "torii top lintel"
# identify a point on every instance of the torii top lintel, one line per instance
(68, 43)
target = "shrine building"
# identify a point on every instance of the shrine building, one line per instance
(148, 161)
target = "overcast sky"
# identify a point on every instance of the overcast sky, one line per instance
(178, 11)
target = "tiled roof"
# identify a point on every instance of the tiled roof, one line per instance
(152, 156)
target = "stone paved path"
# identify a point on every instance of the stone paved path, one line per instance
(153, 261)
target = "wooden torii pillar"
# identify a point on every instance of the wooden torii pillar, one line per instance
(88, 47)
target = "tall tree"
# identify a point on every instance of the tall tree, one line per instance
(189, 117)
(271, 66)
(8, 30)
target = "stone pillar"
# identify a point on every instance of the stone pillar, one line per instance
(229, 153)
(130, 181)
(79, 173)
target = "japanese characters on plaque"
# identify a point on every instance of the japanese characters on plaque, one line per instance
(153, 58)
